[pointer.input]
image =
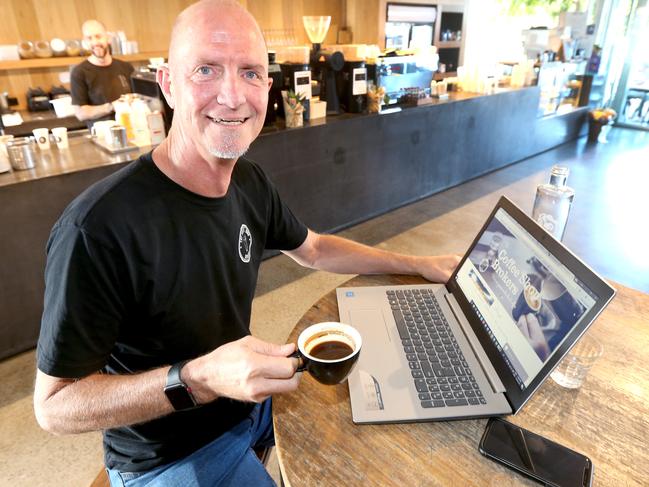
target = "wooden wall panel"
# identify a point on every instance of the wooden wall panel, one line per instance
(287, 15)
(363, 19)
(148, 22)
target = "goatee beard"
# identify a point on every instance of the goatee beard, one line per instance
(227, 153)
(228, 149)
(100, 49)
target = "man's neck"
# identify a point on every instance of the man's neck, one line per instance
(206, 176)
(99, 61)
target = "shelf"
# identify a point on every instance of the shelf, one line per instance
(440, 76)
(57, 62)
(449, 44)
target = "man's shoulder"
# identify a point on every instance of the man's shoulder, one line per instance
(249, 172)
(122, 65)
(246, 167)
(83, 66)
(113, 194)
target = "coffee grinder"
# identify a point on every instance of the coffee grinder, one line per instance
(275, 107)
(352, 85)
(324, 64)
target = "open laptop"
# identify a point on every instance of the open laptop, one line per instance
(483, 343)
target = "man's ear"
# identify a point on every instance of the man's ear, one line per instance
(163, 77)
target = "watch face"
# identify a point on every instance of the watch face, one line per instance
(179, 397)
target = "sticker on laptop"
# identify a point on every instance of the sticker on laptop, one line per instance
(371, 391)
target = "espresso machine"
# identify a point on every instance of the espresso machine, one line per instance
(325, 64)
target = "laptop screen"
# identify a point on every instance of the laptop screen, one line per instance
(526, 300)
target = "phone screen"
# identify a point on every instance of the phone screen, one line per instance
(534, 455)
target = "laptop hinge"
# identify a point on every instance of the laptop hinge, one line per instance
(490, 372)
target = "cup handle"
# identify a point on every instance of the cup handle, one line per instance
(301, 364)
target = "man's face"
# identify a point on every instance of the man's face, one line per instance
(219, 84)
(96, 36)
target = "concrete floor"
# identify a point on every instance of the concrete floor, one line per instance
(607, 229)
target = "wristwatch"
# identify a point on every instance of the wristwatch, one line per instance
(179, 394)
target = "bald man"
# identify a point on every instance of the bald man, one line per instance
(100, 79)
(151, 274)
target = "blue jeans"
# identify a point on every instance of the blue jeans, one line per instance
(228, 460)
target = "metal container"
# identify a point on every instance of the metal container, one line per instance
(22, 153)
(117, 137)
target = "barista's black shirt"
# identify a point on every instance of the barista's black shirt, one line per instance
(96, 85)
(143, 273)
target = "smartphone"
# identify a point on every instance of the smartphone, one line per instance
(534, 456)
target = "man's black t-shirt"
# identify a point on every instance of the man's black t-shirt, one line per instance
(143, 273)
(96, 85)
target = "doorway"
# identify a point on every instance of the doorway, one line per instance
(631, 96)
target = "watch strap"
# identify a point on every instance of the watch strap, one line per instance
(179, 394)
(173, 376)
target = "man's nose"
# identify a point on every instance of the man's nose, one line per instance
(231, 91)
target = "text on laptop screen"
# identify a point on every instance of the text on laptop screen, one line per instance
(525, 298)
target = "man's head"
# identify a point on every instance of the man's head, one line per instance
(94, 32)
(217, 78)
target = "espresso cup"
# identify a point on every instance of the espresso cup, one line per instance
(328, 351)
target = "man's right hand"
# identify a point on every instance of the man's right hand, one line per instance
(248, 369)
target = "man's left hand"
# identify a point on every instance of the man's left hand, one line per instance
(438, 268)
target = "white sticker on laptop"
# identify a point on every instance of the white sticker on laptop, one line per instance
(371, 391)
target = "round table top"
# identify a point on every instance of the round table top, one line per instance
(318, 444)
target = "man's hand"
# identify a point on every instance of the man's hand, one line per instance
(248, 369)
(438, 268)
(531, 329)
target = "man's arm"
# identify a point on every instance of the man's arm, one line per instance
(247, 370)
(90, 112)
(336, 254)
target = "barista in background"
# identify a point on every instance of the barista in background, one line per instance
(99, 80)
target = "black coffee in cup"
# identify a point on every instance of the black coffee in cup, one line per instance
(331, 350)
(328, 351)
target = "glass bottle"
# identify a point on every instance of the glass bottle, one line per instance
(553, 201)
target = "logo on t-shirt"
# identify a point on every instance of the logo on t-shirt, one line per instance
(245, 243)
(124, 82)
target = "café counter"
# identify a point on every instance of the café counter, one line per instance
(333, 173)
(45, 119)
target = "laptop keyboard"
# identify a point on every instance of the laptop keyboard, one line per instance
(441, 374)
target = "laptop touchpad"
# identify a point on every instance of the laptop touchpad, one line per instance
(370, 321)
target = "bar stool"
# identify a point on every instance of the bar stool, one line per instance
(101, 480)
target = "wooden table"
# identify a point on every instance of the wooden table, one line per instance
(606, 419)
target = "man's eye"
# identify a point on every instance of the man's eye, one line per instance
(204, 70)
(252, 75)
